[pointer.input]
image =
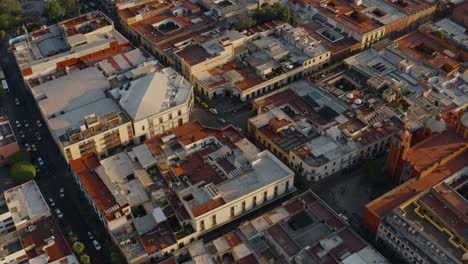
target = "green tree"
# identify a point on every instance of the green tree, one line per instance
(73, 238)
(85, 259)
(19, 156)
(78, 247)
(54, 11)
(70, 6)
(274, 12)
(23, 171)
(244, 21)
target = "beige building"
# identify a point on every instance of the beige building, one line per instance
(156, 102)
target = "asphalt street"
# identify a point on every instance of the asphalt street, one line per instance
(55, 173)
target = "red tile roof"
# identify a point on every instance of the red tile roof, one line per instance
(326, 215)
(281, 237)
(160, 239)
(232, 239)
(195, 168)
(208, 206)
(35, 241)
(84, 168)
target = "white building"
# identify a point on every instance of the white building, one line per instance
(156, 102)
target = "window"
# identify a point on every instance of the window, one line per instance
(276, 191)
(170, 116)
(243, 206)
(160, 120)
(254, 201)
(213, 220)
(202, 225)
(232, 211)
(142, 127)
(287, 186)
(265, 194)
(179, 112)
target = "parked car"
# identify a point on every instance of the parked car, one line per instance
(205, 105)
(17, 102)
(26, 123)
(40, 161)
(221, 121)
(197, 99)
(62, 192)
(90, 235)
(22, 134)
(96, 245)
(34, 147)
(18, 124)
(59, 213)
(39, 124)
(38, 136)
(51, 201)
(214, 111)
(27, 147)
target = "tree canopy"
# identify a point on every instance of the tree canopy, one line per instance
(78, 247)
(19, 156)
(23, 171)
(85, 259)
(269, 13)
(54, 11)
(11, 15)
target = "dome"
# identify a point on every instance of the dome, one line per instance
(358, 101)
(436, 125)
(350, 96)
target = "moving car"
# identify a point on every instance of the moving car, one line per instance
(90, 235)
(26, 123)
(96, 245)
(221, 121)
(62, 192)
(214, 111)
(39, 124)
(18, 124)
(204, 104)
(38, 136)
(40, 161)
(59, 213)
(27, 147)
(51, 201)
(17, 102)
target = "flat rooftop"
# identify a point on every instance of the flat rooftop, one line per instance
(165, 87)
(26, 203)
(62, 125)
(83, 87)
(46, 243)
(6, 133)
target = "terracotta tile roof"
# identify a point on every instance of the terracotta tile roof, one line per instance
(389, 201)
(281, 237)
(232, 239)
(326, 215)
(451, 197)
(435, 149)
(157, 240)
(250, 259)
(208, 206)
(195, 168)
(35, 241)
(459, 14)
(193, 55)
(84, 168)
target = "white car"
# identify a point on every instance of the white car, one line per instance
(62, 192)
(26, 123)
(39, 124)
(27, 147)
(51, 201)
(40, 161)
(22, 134)
(96, 245)
(18, 124)
(17, 102)
(214, 111)
(90, 235)
(59, 213)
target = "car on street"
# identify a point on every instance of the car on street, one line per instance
(205, 105)
(51, 201)
(344, 217)
(34, 147)
(38, 168)
(62, 192)
(38, 136)
(21, 134)
(17, 102)
(221, 121)
(18, 124)
(59, 213)
(197, 99)
(214, 111)
(39, 124)
(26, 123)
(40, 161)
(90, 235)
(27, 147)
(96, 245)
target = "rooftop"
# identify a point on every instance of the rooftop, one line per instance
(83, 87)
(346, 14)
(45, 243)
(85, 168)
(26, 203)
(166, 87)
(75, 37)
(6, 132)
